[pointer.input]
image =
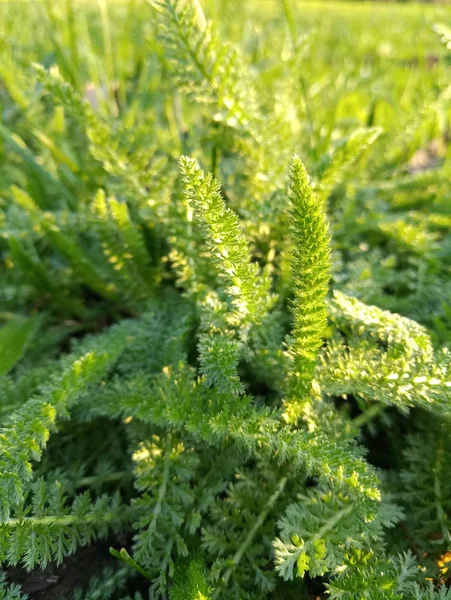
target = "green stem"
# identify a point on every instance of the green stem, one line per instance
(58, 521)
(250, 536)
(332, 522)
(328, 526)
(187, 43)
(373, 411)
(123, 555)
(163, 486)
(95, 479)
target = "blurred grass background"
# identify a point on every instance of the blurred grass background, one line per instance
(327, 67)
(378, 60)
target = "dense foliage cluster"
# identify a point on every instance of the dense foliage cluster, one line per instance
(225, 300)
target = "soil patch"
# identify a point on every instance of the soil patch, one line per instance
(60, 582)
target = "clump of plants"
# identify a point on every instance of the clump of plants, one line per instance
(224, 335)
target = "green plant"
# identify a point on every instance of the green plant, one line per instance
(220, 298)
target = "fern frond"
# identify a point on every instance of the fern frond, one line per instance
(430, 593)
(386, 358)
(132, 179)
(246, 285)
(164, 470)
(174, 398)
(374, 376)
(10, 591)
(318, 531)
(401, 335)
(310, 266)
(44, 527)
(375, 578)
(239, 541)
(344, 156)
(25, 432)
(105, 586)
(204, 66)
(213, 73)
(218, 356)
(426, 493)
(15, 391)
(123, 248)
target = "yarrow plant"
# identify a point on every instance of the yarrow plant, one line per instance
(225, 326)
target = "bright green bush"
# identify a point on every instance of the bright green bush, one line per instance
(224, 308)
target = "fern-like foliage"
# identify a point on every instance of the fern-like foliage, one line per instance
(45, 527)
(426, 494)
(345, 155)
(101, 144)
(401, 369)
(236, 554)
(10, 592)
(246, 286)
(123, 248)
(190, 583)
(215, 74)
(201, 64)
(105, 586)
(310, 265)
(319, 531)
(443, 593)
(26, 431)
(235, 370)
(163, 475)
(378, 579)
